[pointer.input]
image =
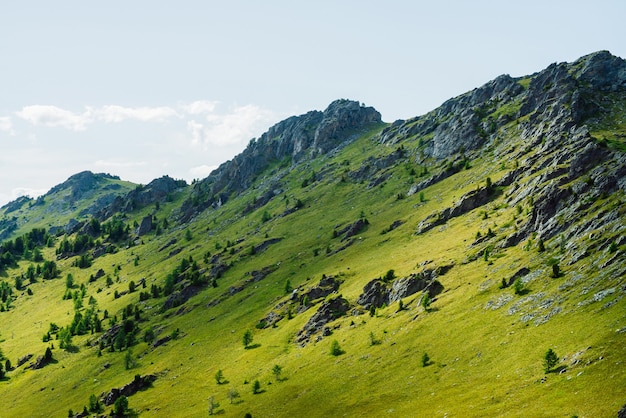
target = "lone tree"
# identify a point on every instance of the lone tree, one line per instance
(247, 338)
(550, 359)
(219, 377)
(335, 348)
(277, 370)
(256, 387)
(425, 360)
(426, 301)
(232, 395)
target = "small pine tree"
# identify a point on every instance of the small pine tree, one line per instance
(425, 360)
(390, 275)
(541, 247)
(120, 407)
(556, 270)
(288, 287)
(518, 286)
(426, 301)
(550, 359)
(247, 338)
(129, 360)
(219, 377)
(400, 305)
(277, 370)
(335, 348)
(256, 387)
(95, 405)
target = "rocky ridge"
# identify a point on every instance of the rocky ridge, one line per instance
(291, 141)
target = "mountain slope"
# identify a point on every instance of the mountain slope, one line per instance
(481, 235)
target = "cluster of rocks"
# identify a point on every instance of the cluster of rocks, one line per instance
(378, 292)
(129, 389)
(351, 229)
(327, 312)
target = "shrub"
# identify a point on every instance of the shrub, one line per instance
(518, 287)
(373, 339)
(425, 360)
(232, 395)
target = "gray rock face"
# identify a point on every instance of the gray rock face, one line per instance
(155, 191)
(328, 311)
(139, 383)
(145, 226)
(291, 141)
(563, 93)
(377, 293)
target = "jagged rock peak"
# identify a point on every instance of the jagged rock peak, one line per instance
(565, 94)
(315, 132)
(290, 141)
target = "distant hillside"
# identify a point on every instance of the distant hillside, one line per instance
(468, 262)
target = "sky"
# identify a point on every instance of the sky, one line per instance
(142, 89)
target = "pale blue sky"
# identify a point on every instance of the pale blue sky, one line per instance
(146, 88)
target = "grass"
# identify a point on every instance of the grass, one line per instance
(484, 361)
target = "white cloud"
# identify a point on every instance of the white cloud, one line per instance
(53, 116)
(116, 114)
(196, 130)
(6, 125)
(119, 164)
(201, 171)
(237, 127)
(199, 107)
(24, 191)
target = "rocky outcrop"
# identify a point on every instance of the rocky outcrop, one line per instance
(563, 92)
(139, 383)
(378, 292)
(327, 312)
(145, 226)
(351, 230)
(326, 286)
(24, 359)
(289, 142)
(157, 190)
(467, 202)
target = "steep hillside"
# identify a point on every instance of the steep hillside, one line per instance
(467, 262)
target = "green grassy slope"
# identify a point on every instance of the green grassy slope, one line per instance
(486, 343)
